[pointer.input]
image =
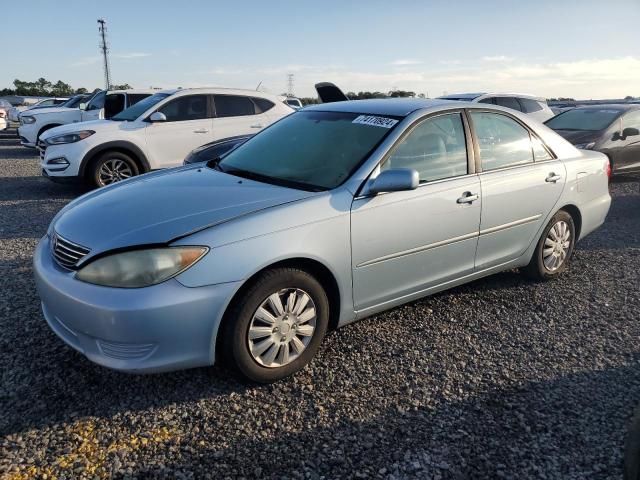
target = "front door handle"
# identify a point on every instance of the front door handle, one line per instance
(201, 130)
(257, 125)
(468, 197)
(552, 178)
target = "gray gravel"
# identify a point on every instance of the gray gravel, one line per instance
(501, 378)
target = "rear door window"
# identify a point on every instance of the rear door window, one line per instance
(509, 102)
(233, 106)
(502, 141)
(113, 104)
(188, 107)
(529, 105)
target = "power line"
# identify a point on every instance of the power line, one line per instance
(104, 48)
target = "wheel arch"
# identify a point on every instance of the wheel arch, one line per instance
(46, 127)
(127, 148)
(576, 215)
(314, 267)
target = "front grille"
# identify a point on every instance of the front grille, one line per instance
(42, 147)
(67, 254)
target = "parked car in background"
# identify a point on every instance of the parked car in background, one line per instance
(157, 132)
(4, 112)
(103, 105)
(73, 102)
(558, 110)
(611, 129)
(44, 103)
(215, 150)
(531, 105)
(293, 102)
(332, 214)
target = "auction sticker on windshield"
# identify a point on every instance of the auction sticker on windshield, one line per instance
(375, 121)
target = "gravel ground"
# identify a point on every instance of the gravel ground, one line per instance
(501, 378)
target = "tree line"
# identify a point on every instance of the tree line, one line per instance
(44, 88)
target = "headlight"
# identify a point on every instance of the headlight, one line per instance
(585, 146)
(27, 119)
(140, 268)
(69, 137)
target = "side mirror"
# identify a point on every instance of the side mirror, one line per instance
(157, 117)
(630, 132)
(395, 180)
(82, 106)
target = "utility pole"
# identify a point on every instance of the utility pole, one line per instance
(104, 49)
(290, 84)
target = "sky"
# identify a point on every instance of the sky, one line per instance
(562, 48)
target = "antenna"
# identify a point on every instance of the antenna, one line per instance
(290, 84)
(104, 48)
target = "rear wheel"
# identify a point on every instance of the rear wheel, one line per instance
(112, 167)
(554, 249)
(277, 326)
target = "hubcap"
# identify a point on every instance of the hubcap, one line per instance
(114, 170)
(282, 327)
(556, 246)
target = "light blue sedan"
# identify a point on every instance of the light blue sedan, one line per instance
(334, 213)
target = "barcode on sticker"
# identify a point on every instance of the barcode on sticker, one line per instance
(375, 121)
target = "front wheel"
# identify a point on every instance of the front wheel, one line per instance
(554, 249)
(277, 326)
(112, 167)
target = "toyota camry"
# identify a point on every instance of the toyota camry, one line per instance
(330, 215)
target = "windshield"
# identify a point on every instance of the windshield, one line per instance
(133, 112)
(309, 150)
(587, 119)
(73, 102)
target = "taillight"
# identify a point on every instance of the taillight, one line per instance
(607, 168)
(1, 114)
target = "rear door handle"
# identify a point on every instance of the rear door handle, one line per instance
(552, 178)
(257, 125)
(201, 130)
(468, 197)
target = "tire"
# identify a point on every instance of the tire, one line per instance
(111, 167)
(258, 348)
(543, 267)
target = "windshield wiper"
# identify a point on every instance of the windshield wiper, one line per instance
(259, 177)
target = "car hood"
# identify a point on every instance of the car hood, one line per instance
(96, 125)
(578, 136)
(160, 207)
(45, 110)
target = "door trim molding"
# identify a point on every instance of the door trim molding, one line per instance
(422, 248)
(505, 226)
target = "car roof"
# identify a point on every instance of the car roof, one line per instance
(621, 107)
(396, 107)
(472, 96)
(220, 91)
(136, 90)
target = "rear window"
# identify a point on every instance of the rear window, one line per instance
(587, 119)
(529, 105)
(233, 106)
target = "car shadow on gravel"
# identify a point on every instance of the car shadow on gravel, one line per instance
(517, 432)
(37, 188)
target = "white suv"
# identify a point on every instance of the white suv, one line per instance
(157, 132)
(33, 123)
(534, 106)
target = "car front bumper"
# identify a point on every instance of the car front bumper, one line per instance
(28, 134)
(159, 328)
